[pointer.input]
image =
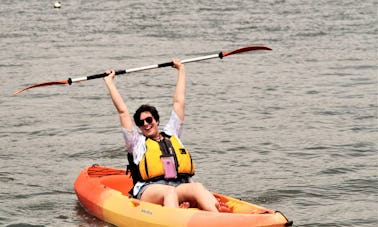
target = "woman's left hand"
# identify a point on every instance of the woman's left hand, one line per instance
(177, 64)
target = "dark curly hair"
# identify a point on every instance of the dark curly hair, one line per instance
(146, 108)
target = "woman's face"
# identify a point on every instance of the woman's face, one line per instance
(150, 126)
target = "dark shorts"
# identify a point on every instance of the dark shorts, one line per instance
(173, 183)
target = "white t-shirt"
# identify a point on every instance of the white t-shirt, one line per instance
(136, 141)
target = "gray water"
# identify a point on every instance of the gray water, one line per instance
(293, 129)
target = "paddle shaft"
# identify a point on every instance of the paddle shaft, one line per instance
(166, 64)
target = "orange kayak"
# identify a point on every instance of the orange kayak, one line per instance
(103, 192)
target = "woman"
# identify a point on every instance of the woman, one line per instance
(163, 178)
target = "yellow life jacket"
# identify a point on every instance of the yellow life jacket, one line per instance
(151, 167)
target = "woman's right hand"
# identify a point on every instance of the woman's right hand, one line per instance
(111, 75)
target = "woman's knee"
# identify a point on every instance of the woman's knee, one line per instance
(194, 190)
(198, 186)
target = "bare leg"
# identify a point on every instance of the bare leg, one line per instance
(197, 193)
(161, 194)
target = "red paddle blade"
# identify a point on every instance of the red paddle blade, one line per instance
(245, 49)
(41, 85)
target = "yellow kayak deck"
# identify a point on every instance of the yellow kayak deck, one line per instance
(104, 193)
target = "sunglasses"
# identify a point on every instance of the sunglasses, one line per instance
(141, 122)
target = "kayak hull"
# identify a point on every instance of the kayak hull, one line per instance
(103, 192)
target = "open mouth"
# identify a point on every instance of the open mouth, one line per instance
(147, 128)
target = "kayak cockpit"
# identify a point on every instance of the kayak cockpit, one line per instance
(122, 183)
(104, 192)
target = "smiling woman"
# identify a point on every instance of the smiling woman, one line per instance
(149, 126)
(147, 118)
(160, 165)
(294, 129)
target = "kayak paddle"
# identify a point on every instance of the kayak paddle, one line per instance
(96, 76)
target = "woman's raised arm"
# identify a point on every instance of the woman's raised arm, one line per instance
(120, 105)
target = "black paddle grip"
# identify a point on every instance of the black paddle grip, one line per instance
(96, 76)
(120, 72)
(165, 64)
(101, 75)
